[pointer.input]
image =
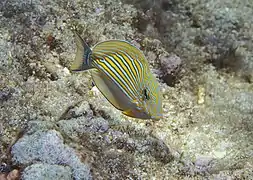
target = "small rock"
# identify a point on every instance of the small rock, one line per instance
(13, 175)
(170, 64)
(169, 68)
(95, 91)
(81, 109)
(3, 176)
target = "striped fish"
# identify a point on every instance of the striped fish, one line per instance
(122, 74)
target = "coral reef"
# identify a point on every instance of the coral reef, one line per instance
(55, 125)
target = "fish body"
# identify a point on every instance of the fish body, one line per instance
(122, 74)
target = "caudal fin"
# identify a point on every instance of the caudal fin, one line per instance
(82, 60)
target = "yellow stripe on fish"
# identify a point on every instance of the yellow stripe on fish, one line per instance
(126, 68)
(122, 75)
(126, 51)
(108, 65)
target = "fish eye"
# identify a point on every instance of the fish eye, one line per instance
(145, 93)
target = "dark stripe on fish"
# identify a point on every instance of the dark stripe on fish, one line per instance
(134, 75)
(107, 68)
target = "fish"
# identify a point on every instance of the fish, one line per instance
(122, 74)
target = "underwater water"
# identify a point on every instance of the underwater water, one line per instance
(55, 124)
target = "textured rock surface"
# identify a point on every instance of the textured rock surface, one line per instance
(48, 147)
(200, 50)
(47, 171)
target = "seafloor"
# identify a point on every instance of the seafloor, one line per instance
(56, 125)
